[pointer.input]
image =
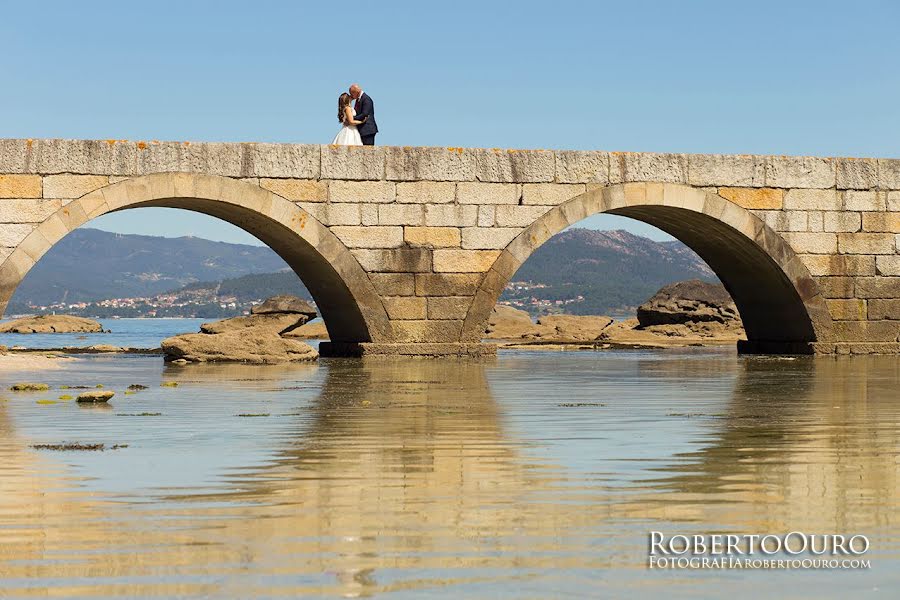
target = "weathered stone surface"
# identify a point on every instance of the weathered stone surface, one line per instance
(847, 309)
(837, 287)
(856, 173)
(298, 190)
(361, 191)
(401, 214)
(296, 161)
(881, 222)
(866, 243)
(342, 213)
(884, 308)
(877, 287)
(448, 307)
(515, 165)
(353, 162)
(398, 260)
(582, 167)
(432, 237)
(754, 198)
(812, 243)
(450, 215)
(248, 345)
(550, 193)
(95, 396)
(867, 201)
(487, 216)
(688, 301)
(406, 307)
(518, 216)
(837, 264)
(886, 265)
(426, 192)
(51, 324)
(725, 170)
(369, 237)
(649, 166)
(799, 172)
(285, 304)
(889, 173)
(447, 284)
(806, 199)
(488, 193)
(27, 210)
(20, 186)
(72, 186)
(488, 238)
(509, 323)
(447, 260)
(315, 330)
(272, 323)
(569, 328)
(394, 284)
(435, 164)
(441, 331)
(841, 222)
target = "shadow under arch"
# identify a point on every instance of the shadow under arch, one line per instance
(350, 306)
(779, 302)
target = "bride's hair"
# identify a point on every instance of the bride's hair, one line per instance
(343, 102)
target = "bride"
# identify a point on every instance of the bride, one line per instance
(349, 134)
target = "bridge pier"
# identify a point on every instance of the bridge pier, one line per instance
(434, 350)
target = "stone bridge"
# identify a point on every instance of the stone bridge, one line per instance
(406, 250)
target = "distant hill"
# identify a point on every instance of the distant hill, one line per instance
(579, 271)
(89, 264)
(611, 271)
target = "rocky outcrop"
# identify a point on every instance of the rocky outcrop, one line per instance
(51, 324)
(689, 303)
(95, 396)
(508, 323)
(570, 328)
(256, 338)
(309, 331)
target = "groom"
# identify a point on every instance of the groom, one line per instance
(365, 111)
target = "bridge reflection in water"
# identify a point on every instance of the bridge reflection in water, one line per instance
(413, 476)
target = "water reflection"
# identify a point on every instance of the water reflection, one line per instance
(536, 474)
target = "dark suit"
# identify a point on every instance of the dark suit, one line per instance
(366, 108)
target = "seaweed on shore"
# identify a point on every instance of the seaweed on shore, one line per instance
(72, 446)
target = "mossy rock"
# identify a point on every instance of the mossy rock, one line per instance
(30, 387)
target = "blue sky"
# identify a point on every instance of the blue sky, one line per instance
(752, 77)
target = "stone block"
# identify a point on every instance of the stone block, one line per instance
(842, 221)
(889, 174)
(799, 172)
(35, 245)
(893, 201)
(361, 191)
(488, 193)
(884, 309)
(12, 234)
(877, 287)
(652, 167)
(725, 170)
(297, 190)
(369, 237)
(837, 287)
(72, 186)
(515, 166)
(448, 260)
(296, 161)
(582, 167)
(790, 220)
(434, 164)
(886, 265)
(96, 157)
(487, 216)
(353, 162)
(20, 186)
(815, 220)
(447, 284)
(806, 199)
(550, 193)
(450, 215)
(519, 216)
(754, 198)
(866, 243)
(488, 238)
(401, 214)
(812, 243)
(405, 307)
(27, 210)
(856, 173)
(881, 222)
(866, 331)
(397, 260)
(448, 307)
(336, 214)
(14, 155)
(847, 309)
(394, 284)
(427, 331)
(864, 201)
(426, 192)
(432, 237)
(369, 214)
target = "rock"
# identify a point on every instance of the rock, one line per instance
(570, 328)
(689, 302)
(246, 345)
(273, 322)
(285, 304)
(3, 349)
(51, 324)
(508, 323)
(137, 386)
(30, 387)
(309, 331)
(95, 396)
(104, 348)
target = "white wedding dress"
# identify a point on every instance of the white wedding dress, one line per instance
(348, 135)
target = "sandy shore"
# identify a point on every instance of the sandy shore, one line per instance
(31, 361)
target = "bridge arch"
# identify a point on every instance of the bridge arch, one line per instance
(779, 302)
(349, 304)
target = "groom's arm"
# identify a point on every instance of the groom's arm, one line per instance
(368, 108)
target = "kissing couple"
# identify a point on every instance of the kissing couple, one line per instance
(359, 127)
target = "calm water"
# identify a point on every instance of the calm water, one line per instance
(530, 476)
